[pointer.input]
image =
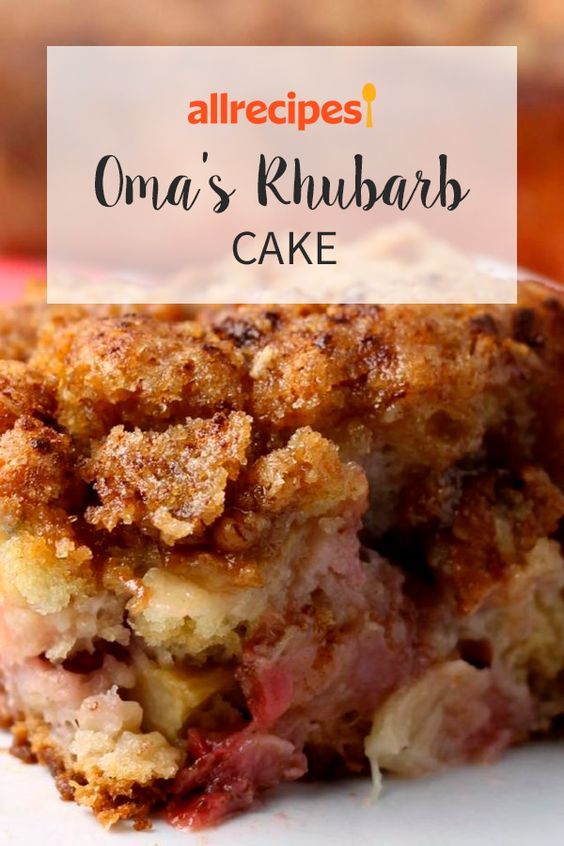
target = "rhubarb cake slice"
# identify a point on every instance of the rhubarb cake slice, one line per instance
(278, 541)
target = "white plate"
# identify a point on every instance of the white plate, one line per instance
(518, 802)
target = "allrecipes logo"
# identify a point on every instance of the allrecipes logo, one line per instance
(220, 108)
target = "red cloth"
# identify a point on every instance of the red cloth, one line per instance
(15, 273)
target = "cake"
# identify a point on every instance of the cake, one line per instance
(276, 540)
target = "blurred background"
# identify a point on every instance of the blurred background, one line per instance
(28, 26)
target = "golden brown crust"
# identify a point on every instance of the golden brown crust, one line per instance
(18, 330)
(23, 392)
(138, 371)
(327, 365)
(498, 520)
(306, 475)
(172, 483)
(303, 480)
(424, 387)
(23, 324)
(37, 464)
(110, 802)
(540, 322)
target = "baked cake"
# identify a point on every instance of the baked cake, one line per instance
(271, 541)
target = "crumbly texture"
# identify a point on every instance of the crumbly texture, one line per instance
(21, 324)
(172, 482)
(23, 393)
(137, 371)
(233, 548)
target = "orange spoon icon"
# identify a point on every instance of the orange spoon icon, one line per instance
(369, 94)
